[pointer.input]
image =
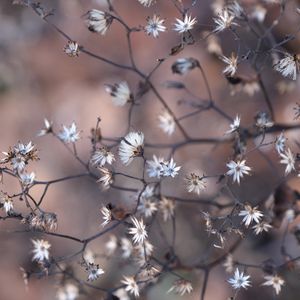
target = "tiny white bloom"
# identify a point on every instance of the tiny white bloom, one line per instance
(261, 227)
(183, 65)
(147, 207)
(7, 203)
(120, 93)
(170, 169)
(72, 49)
(263, 120)
(239, 280)
(47, 128)
(238, 169)
(231, 62)
(138, 230)
(235, 125)
(69, 134)
(23, 149)
(275, 281)
(235, 9)
(185, 25)
(131, 146)
(155, 168)
(94, 272)
(146, 3)
(223, 21)
(154, 26)
(280, 143)
(41, 250)
(102, 156)
(228, 263)
(167, 208)
(250, 214)
(106, 215)
(288, 159)
(98, 21)
(130, 285)
(126, 247)
(27, 178)
(106, 179)
(288, 66)
(111, 245)
(166, 122)
(68, 292)
(181, 287)
(195, 183)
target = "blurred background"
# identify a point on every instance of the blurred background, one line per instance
(38, 80)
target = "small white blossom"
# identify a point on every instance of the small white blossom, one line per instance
(154, 26)
(228, 263)
(47, 128)
(147, 207)
(106, 179)
(235, 9)
(41, 250)
(7, 203)
(131, 146)
(250, 214)
(155, 168)
(94, 272)
(72, 49)
(181, 287)
(288, 66)
(126, 247)
(166, 122)
(195, 183)
(69, 134)
(120, 93)
(130, 285)
(185, 25)
(183, 65)
(223, 21)
(275, 281)
(238, 169)
(146, 3)
(235, 125)
(27, 178)
(167, 208)
(288, 159)
(102, 156)
(111, 245)
(23, 149)
(106, 215)
(263, 120)
(280, 143)
(138, 230)
(239, 280)
(170, 169)
(261, 227)
(68, 292)
(231, 62)
(98, 21)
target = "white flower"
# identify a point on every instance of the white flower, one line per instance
(261, 227)
(154, 26)
(138, 230)
(7, 203)
(288, 66)
(223, 21)
(239, 280)
(41, 250)
(131, 146)
(69, 134)
(195, 183)
(181, 287)
(72, 49)
(131, 285)
(98, 21)
(145, 249)
(147, 207)
(89, 256)
(183, 65)
(250, 214)
(185, 25)
(166, 122)
(27, 178)
(47, 129)
(23, 149)
(280, 143)
(170, 169)
(68, 292)
(231, 62)
(237, 169)
(275, 281)
(235, 125)
(167, 208)
(263, 120)
(126, 247)
(155, 168)
(94, 272)
(120, 93)
(111, 245)
(102, 156)
(106, 179)
(107, 217)
(288, 159)
(235, 9)
(146, 3)
(228, 263)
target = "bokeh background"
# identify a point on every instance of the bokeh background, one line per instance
(38, 80)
